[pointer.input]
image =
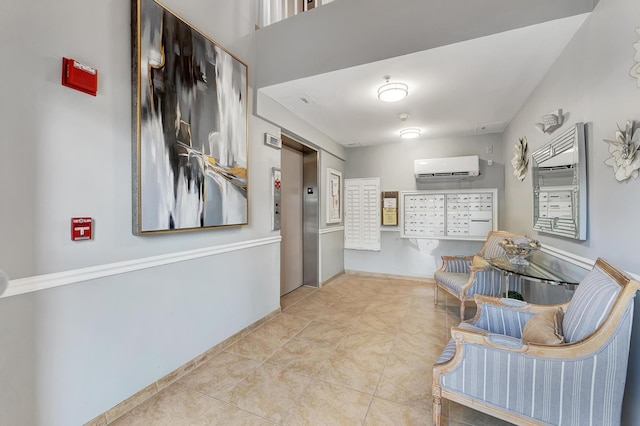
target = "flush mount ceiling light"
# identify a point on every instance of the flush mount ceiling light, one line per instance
(392, 92)
(410, 133)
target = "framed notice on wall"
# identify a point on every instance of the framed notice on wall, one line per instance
(390, 208)
(334, 196)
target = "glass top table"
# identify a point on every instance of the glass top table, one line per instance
(534, 271)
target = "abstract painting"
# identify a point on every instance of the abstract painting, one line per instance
(189, 126)
(635, 70)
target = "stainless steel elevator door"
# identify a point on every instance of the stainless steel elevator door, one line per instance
(291, 247)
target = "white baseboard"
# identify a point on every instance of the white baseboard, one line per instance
(428, 279)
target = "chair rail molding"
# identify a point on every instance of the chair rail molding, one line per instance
(57, 279)
(574, 259)
(331, 229)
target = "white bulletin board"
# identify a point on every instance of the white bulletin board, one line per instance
(390, 208)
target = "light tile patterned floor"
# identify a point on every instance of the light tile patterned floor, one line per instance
(359, 351)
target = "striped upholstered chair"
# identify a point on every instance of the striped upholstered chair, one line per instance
(493, 364)
(464, 277)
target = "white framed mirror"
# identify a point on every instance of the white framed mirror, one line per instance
(559, 175)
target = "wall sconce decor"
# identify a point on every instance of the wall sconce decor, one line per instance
(550, 122)
(635, 70)
(520, 159)
(624, 160)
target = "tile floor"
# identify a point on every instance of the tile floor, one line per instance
(359, 351)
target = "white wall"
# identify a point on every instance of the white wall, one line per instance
(590, 81)
(72, 352)
(393, 164)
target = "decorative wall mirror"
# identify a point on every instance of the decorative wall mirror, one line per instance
(559, 174)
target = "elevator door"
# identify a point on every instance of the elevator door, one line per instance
(291, 247)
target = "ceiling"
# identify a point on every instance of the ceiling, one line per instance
(471, 87)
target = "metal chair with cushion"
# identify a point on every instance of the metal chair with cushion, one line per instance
(465, 276)
(532, 364)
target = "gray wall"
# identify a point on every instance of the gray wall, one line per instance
(591, 82)
(70, 353)
(327, 160)
(331, 234)
(331, 254)
(68, 154)
(331, 154)
(393, 163)
(354, 32)
(272, 111)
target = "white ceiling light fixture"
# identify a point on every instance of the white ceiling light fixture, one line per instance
(392, 92)
(410, 133)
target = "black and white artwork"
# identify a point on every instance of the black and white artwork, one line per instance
(635, 70)
(189, 126)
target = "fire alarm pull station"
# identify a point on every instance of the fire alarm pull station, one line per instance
(81, 228)
(80, 77)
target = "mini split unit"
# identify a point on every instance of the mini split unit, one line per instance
(450, 167)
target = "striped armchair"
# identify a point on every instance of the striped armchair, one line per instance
(463, 279)
(488, 366)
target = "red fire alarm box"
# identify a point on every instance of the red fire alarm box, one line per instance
(80, 77)
(81, 228)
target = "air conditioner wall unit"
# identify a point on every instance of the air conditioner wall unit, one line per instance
(450, 167)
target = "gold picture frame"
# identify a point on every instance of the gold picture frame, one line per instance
(190, 126)
(334, 196)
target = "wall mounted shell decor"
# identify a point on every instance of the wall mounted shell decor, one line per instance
(625, 159)
(520, 159)
(635, 70)
(550, 122)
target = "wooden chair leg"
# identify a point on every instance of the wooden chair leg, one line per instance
(462, 306)
(435, 295)
(437, 410)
